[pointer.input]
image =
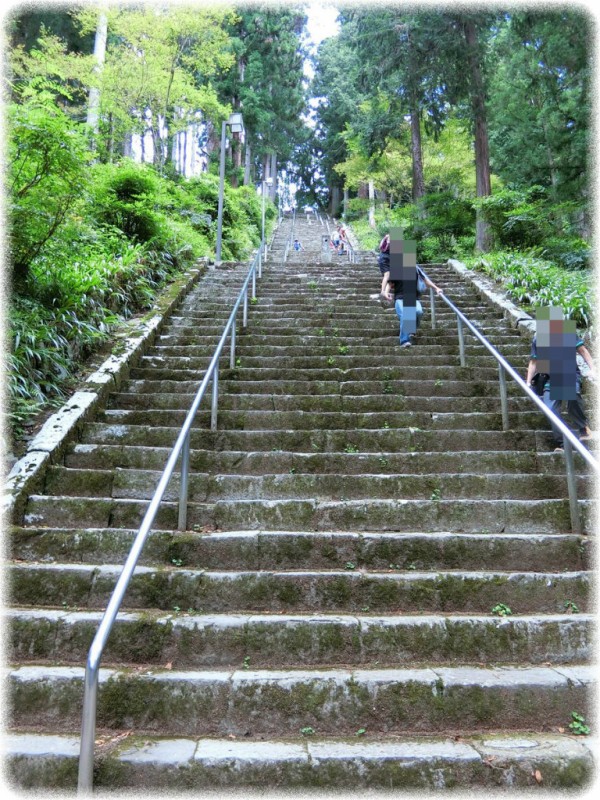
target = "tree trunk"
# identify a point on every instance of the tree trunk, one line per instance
(93, 113)
(236, 152)
(247, 165)
(345, 202)
(273, 187)
(363, 190)
(111, 138)
(334, 200)
(418, 181)
(371, 204)
(128, 145)
(482, 157)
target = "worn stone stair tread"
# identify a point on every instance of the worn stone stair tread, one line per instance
(210, 486)
(274, 640)
(491, 760)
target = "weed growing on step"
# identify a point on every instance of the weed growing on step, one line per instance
(238, 362)
(501, 610)
(436, 494)
(386, 426)
(331, 361)
(438, 382)
(364, 609)
(343, 349)
(312, 285)
(308, 731)
(350, 565)
(177, 562)
(350, 448)
(246, 662)
(571, 607)
(360, 732)
(321, 331)
(383, 461)
(254, 300)
(388, 388)
(578, 726)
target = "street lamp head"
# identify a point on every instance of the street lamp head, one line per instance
(236, 123)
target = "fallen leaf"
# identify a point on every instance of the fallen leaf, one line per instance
(538, 776)
(169, 665)
(561, 730)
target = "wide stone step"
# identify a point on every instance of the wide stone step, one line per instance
(248, 463)
(90, 586)
(265, 550)
(189, 383)
(209, 487)
(361, 441)
(517, 516)
(333, 702)
(327, 420)
(315, 403)
(188, 640)
(163, 764)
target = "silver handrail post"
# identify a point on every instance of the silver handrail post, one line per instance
(432, 307)
(232, 353)
(572, 486)
(461, 341)
(254, 281)
(503, 397)
(215, 398)
(85, 777)
(245, 314)
(183, 488)
(260, 262)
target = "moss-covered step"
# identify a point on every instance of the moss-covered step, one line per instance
(108, 457)
(350, 590)
(209, 487)
(334, 372)
(305, 550)
(191, 640)
(333, 402)
(463, 516)
(507, 761)
(332, 701)
(326, 420)
(355, 442)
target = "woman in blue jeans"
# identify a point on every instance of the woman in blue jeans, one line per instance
(409, 316)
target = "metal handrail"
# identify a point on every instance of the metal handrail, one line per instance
(181, 447)
(504, 368)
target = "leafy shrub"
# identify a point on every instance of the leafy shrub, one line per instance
(47, 172)
(124, 198)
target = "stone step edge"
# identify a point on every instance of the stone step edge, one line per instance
(437, 676)
(494, 759)
(48, 445)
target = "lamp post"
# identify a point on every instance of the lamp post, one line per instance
(236, 123)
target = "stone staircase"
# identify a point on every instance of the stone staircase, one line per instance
(326, 620)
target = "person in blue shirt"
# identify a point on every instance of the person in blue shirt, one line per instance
(575, 407)
(297, 245)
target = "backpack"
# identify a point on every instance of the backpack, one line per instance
(538, 382)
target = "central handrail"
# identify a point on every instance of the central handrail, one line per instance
(181, 447)
(504, 368)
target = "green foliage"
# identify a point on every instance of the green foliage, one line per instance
(47, 172)
(540, 283)
(578, 725)
(501, 610)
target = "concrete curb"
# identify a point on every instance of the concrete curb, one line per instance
(27, 474)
